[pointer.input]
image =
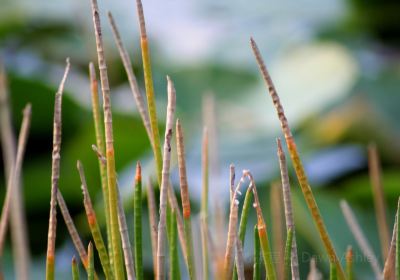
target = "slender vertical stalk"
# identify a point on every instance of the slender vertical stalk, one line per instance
(204, 204)
(155, 139)
(126, 61)
(239, 260)
(161, 248)
(288, 253)
(93, 225)
(257, 262)
(111, 173)
(75, 269)
(349, 263)
(243, 219)
(99, 131)
(126, 244)
(151, 203)
(277, 228)
(333, 272)
(174, 272)
(55, 175)
(397, 242)
(379, 198)
(15, 174)
(148, 80)
(185, 199)
(390, 262)
(19, 233)
(90, 271)
(301, 175)
(262, 231)
(360, 238)
(287, 202)
(229, 254)
(137, 213)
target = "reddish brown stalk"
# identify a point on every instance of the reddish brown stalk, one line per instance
(379, 198)
(185, 199)
(161, 247)
(232, 180)
(300, 172)
(14, 176)
(151, 202)
(55, 175)
(19, 233)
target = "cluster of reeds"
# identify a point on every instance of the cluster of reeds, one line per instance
(170, 223)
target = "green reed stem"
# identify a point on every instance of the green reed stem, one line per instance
(257, 259)
(333, 272)
(174, 271)
(90, 271)
(94, 225)
(137, 210)
(243, 220)
(99, 132)
(204, 204)
(148, 80)
(288, 254)
(75, 269)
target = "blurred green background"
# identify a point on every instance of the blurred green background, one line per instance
(335, 63)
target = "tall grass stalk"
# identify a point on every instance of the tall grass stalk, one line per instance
(379, 198)
(333, 272)
(287, 202)
(137, 213)
(126, 243)
(55, 176)
(288, 253)
(185, 199)
(262, 231)
(277, 227)
(19, 232)
(161, 242)
(148, 79)
(116, 254)
(94, 225)
(174, 272)
(126, 61)
(204, 204)
(239, 260)
(257, 259)
(300, 172)
(75, 269)
(99, 131)
(360, 238)
(13, 179)
(153, 221)
(231, 240)
(397, 242)
(349, 263)
(90, 271)
(390, 262)
(243, 218)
